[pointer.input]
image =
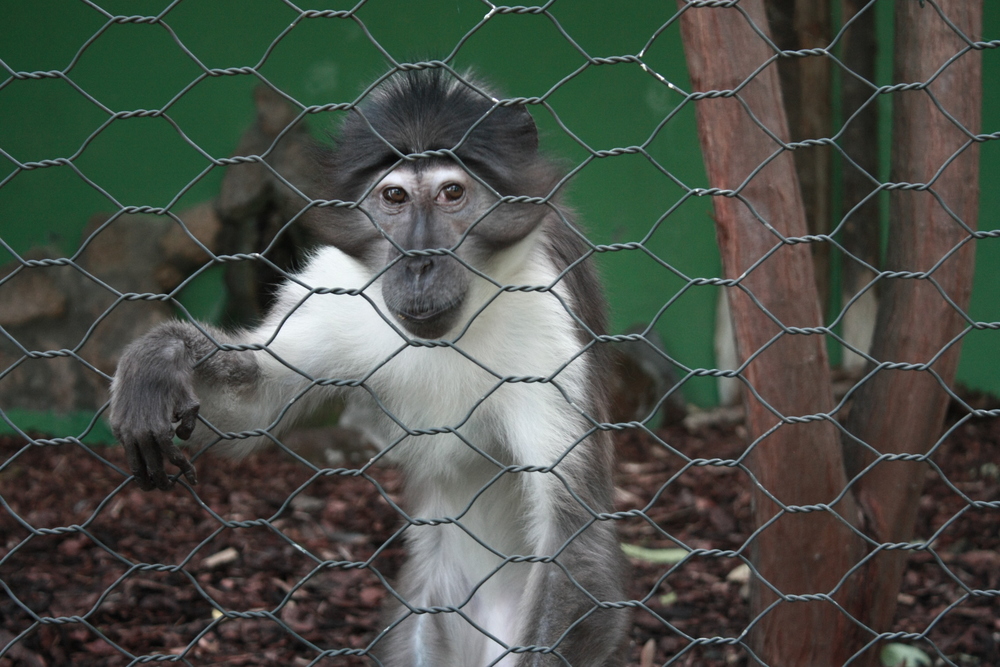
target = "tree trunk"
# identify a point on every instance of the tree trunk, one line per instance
(902, 410)
(795, 463)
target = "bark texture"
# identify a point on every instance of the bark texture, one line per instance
(805, 86)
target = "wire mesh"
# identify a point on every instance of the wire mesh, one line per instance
(317, 559)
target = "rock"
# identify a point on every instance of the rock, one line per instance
(76, 312)
(255, 205)
(72, 313)
(32, 294)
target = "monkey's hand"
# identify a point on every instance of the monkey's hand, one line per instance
(152, 399)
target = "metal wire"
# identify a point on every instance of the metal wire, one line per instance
(184, 652)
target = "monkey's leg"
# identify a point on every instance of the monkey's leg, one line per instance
(567, 597)
(564, 602)
(432, 603)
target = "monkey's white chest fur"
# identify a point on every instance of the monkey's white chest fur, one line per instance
(507, 393)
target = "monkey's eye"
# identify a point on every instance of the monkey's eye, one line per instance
(394, 195)
(453, 192)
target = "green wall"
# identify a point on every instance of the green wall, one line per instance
(150, 161)
(980, 364)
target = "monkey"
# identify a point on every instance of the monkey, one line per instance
(450, 301)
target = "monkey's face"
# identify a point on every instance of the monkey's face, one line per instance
(440, 217)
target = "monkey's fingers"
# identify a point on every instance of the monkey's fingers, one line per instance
(188, 418)
(175, 456)
(151, 447)
(137, 466)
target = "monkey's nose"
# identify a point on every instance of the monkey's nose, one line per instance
(418, 266)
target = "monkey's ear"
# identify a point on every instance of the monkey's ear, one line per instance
(526, 128)
(514, 132)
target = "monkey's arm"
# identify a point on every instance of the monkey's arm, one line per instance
(168, 377)
(176, 372)
(154, 395)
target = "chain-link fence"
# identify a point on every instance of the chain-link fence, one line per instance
(796, 530)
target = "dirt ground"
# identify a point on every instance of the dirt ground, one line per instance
(127, 573)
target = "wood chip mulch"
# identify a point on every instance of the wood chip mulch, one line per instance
(141, 576)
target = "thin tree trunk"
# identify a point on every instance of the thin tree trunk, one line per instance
(805, 88)
(901, 411)
(860, 232)
(800, 463)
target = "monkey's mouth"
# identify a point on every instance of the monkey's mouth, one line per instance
(423, 316)
(429, 320)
